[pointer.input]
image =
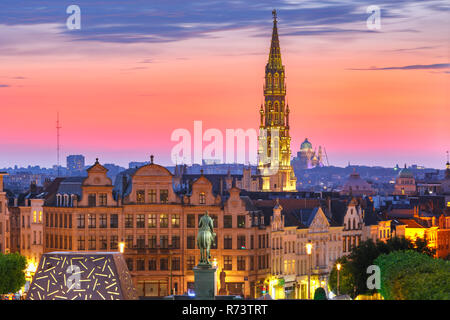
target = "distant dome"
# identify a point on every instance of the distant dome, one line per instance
(357, 186)
(306, 145)
(405, 173)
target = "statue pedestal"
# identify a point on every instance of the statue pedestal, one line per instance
(205, 282)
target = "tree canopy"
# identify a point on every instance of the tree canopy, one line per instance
(353, 275)
(12, 272)
(346, 280)
(320, 294)
(410, 275)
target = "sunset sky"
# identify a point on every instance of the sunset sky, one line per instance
(138, 70)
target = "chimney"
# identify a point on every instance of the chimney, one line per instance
(33, 187)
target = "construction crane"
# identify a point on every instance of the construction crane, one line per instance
(326, 156)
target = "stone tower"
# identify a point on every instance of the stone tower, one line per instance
(274, 150)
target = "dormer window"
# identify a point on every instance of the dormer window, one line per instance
(140, 196)
(202, 198)
(66, 200)
(102, 197)
(92, 200)
(72, 199)
(58, 200)
(152, 195)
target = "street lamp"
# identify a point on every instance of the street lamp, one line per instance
(338, 267)
(121, 246)
(309, 251)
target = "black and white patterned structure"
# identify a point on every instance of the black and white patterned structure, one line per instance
(82, 276)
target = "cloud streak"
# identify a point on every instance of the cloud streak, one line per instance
(135, 21)
(410, 67)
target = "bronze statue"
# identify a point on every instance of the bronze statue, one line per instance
(205, 238)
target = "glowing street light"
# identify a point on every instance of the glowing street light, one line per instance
(121, 247)
(309, 251)
(309, 248)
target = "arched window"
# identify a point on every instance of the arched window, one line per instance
(276, 80)
(202, 198)
(58, 200)
(269, 80)
(66, 200)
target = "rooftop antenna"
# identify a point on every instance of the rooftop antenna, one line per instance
(57, 142)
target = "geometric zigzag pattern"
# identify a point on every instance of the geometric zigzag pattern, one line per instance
(82, 276)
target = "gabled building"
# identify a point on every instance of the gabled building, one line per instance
(158, 225)
(4, 219)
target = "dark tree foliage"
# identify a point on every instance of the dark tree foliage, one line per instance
(346, 281)
(12, 272)
(320, 294)
(354, 269)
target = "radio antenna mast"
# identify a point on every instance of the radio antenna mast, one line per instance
(57, 143)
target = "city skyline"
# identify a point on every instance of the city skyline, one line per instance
(374, 98)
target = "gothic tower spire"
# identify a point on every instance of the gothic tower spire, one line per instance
(275, 52)
(275, 122)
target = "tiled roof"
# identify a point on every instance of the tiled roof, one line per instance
(411, 223)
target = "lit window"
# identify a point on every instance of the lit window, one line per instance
(175, 221)
(140, 196)
(202, 198)
(152, 220)
(163, 220)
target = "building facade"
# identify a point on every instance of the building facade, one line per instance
(308, 158)
(405, 183)
(159, 228)
(75, 163)
(4, 219)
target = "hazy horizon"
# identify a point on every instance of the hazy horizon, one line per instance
(135, 72)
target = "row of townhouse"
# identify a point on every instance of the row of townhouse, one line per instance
(260, 245)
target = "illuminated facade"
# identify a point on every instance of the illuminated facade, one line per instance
(158, 228)
(274, 150)
(353, 227)
(291, 262)
(307, 158)
(445, 185)
(27, 232)
(405, 184)
(4, 219)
